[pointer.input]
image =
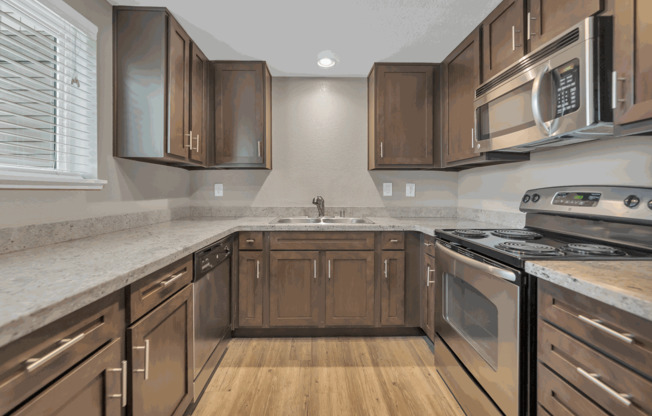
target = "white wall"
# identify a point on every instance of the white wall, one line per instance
(319, 139)
(132, 186)
(620, 161)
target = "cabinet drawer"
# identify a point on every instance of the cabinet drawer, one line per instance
(392, 240)
(595, 375)
(30, 363)
(250, 240)
(322, 241)
(149, 291)
(429, 245)
(612, 331)
(560, 399)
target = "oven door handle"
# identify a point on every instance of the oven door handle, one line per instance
(492, 270)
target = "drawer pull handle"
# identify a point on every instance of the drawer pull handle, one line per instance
(34, 363)
(146, 369)
(123, 391)
(598, 324)
(595, 379)
(167, 282)
(250, 241)
(427, 244)
(393, 240)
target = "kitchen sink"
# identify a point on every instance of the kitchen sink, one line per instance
(322, 220)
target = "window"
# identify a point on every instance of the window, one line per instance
(48, 96)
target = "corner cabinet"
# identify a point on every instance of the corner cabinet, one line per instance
(155, 93)
(401, 116)
(242, 115)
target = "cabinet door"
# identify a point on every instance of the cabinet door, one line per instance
(404, 115)
(94, 387)
(633, 60)
(349, 288)
(240, 114)
(250, 288)
(461, 78)
(178, 141)
(294, 288)
(502, 37)
(550, 18)
(160, 354)
(428, 296)
(198, 106)
(392, 288)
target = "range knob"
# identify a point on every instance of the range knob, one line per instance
(632, 201)
(536, 198)
(649, 204)
(526, 199)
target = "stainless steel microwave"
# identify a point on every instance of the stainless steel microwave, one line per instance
(556, 95)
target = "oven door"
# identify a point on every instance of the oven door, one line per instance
(478, 317)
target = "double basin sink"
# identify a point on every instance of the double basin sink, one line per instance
(322, 220)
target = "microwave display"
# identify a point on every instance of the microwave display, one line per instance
(567, 82)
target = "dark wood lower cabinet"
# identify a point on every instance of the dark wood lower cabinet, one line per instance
(349, 288)
(94, 387)
(294, 288)
(392, 288)
(250, 289)
(160, 356)
(428, 296)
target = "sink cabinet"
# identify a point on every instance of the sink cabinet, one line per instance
(349, 281)
(294, 289)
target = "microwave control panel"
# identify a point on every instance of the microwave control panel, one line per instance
(567, 79)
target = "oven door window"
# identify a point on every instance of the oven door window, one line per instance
(473, 316)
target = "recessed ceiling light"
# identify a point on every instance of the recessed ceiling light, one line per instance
(326, 59)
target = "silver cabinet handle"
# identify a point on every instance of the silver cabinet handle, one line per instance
(628, 338)
(250, 241)
(146, 369)
(123, 390)
(257, 269)
(386, 260)
(34, 363)
(530, 33)
(428, 244)
(514, 32)
(197, 140)
(428, 281)
(595, 379)
(314, 269)
(167, 282)
(329, 269)
(381, 149)
(393, 240)
(614, 90)
(260, 152)
(189, 140)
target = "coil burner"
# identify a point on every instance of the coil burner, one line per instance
(522, 247)
(592, 250)
(517, 234)
(471, 233)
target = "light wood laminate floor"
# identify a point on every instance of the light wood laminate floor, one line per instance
(327, 376)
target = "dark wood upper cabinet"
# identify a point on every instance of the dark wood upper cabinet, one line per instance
(503, 37)
(633, 64)
(152, 87)
(250, 288)
(199, 109)
(242, 115)
(160, 349)
(349, 288)
(401, 109)
(294, 288)
(392, 288)
(550, 18)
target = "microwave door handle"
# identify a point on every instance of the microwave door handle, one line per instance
(487, 268)
(536, 94)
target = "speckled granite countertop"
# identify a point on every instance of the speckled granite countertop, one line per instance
(626, 285)
(40, 285)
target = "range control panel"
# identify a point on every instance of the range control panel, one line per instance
(580, 199)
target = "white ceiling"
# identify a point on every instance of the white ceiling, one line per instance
(289, 34)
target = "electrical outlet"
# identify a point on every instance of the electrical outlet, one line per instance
(387, 189)
(410, 189)
(219, 189)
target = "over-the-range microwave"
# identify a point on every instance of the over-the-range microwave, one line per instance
(559, 94)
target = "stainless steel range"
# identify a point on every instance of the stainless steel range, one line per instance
(485, 316)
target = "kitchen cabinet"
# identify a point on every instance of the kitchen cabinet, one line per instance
(250, 288)
(503, 37)
(242, 115)
(199, 105)
(152, 88)
(401, 116)
(294, 292)
(428, 295)
(160, 348)
(592, 348)
(632, 87)
(550, 18)
(349, 288)
(392, 288)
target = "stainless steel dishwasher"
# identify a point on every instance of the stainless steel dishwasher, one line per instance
(212, 309)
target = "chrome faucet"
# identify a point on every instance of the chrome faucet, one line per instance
(319, 201)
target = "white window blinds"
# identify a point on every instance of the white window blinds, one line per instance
(48, 90)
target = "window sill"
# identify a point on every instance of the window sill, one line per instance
(28, 180)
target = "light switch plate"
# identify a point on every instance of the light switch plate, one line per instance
(387, 189)
(410, 189)
(219, 189)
